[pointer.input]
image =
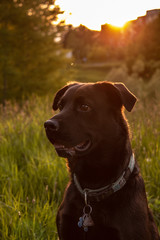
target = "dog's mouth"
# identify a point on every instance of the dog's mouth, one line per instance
(79, 148)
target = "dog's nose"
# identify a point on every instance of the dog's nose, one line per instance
(52, 125)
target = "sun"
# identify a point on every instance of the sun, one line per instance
(117, 22)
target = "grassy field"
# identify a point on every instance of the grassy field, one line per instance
(33, 178)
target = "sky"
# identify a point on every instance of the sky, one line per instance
(94, 13)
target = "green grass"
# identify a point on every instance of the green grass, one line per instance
(33, 178)
(145, 125)
(91, 72)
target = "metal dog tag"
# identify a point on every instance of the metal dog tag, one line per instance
(87, 222)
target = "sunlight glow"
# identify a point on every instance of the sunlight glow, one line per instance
(51, 7)
(93, 13)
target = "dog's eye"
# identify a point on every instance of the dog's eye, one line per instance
(84, 108)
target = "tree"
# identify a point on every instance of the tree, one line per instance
(149, 40)
(28, 51)
(145, 42)
(80, 40)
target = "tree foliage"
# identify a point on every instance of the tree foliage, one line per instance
(28, 51)
(80, 40)
(149, 40)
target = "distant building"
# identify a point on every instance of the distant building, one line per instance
(135, 26)
(152, 14)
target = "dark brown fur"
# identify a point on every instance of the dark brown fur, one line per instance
(95, 112)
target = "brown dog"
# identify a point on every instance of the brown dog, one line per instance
(105, 198)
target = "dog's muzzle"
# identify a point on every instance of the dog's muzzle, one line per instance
(63, 149)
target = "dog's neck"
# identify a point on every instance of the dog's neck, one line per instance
(101, 167)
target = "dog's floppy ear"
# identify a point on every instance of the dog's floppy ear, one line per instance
(118, 94)
(128, 99)
(59, 94)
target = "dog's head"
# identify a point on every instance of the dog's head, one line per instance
(89, 113)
